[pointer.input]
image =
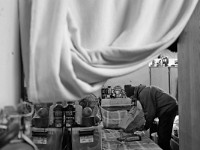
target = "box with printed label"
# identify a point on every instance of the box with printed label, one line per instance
(86, 138)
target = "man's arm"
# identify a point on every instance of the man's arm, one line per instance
(148, 105)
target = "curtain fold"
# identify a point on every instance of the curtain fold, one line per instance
(74, 46)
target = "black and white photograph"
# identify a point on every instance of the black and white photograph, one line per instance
(99, 74)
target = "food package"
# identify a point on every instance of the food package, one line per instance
(86, 138)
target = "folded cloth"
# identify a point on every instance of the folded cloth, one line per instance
(129, 121)
(111, 119)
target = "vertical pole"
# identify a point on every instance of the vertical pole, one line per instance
(169, 78)
(150, 74)
(189, 83)
(10, 64)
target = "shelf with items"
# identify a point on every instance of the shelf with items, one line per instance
(112, 92)
(164, 62)
(117, 100)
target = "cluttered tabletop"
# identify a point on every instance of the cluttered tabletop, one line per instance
(104, 134)
(110, 141)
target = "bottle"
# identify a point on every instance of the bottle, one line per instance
(51, 115)
(58, 115)
(109, 91)
(69, 112)
(113, 95)
(78, 115)
(103, 92)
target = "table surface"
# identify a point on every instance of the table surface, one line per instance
(110, 142)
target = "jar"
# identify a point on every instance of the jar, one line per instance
(103, 92)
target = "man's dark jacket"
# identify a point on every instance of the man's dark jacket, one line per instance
(155, 102)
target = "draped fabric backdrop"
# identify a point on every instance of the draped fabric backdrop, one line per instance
(71, 47)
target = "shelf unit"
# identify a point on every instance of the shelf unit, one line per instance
(165, 78)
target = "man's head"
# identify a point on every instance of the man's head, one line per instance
(129, 90)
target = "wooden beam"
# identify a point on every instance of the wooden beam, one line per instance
(189, 83)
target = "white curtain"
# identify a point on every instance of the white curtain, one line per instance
(71, 47)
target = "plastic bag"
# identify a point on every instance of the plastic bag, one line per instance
(134, 120)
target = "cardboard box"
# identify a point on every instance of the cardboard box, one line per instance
(47, 138)
(116, 102)
(86, 138)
